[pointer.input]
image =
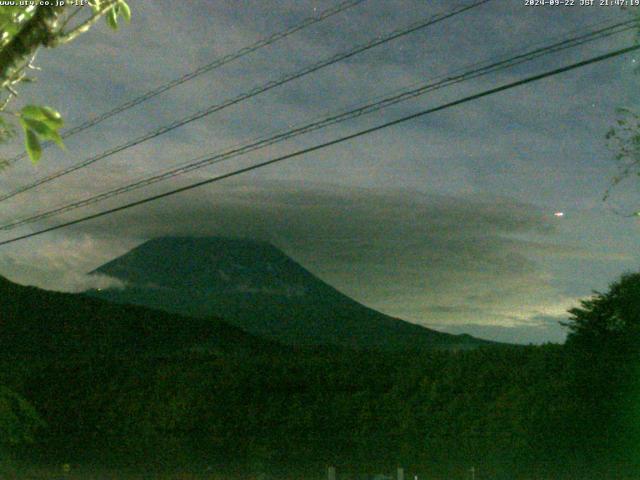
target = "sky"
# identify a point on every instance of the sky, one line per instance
(446, 221)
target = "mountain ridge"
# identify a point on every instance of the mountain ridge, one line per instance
(255, 286)
(40, 323)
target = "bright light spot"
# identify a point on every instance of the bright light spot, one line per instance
(558, 214)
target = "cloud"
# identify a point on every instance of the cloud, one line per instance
(443, 259)
(432, 259)
(60, 265)
(540, 330)
(531, 324)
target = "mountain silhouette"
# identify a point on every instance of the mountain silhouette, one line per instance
(36, 323)
(255, 286)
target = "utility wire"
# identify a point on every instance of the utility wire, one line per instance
(445, 81)
(244, 96)
(219, 62)
(336, 141)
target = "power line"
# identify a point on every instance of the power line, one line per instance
(336, 141)
(244, 96)
(445, 81)
(219, 62)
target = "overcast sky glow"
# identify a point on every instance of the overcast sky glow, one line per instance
(448, 221)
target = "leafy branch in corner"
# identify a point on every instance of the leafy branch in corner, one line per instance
(25, 29)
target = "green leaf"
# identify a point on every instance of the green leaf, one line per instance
(52, 114)
(40, 128)
(34, 149)
(95, 5)
(124, 10)
(112, 17)
(43, 129)
(44, 114)
(55, 136)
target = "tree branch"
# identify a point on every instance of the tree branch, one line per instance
(38, 31)
(61, 37)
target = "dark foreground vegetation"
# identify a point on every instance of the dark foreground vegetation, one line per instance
(103, 387)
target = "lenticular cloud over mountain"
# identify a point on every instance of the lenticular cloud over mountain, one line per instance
(256, 287)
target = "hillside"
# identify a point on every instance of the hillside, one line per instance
(40, 323)
(258, 288)
(128, 388)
